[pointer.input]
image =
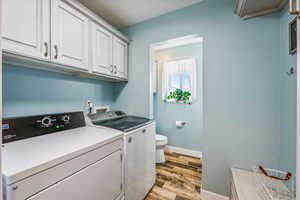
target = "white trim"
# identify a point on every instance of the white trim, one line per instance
(152, 78)
(181, 41)
(1, 192)
(298, 119)
(188, 152)
(207, 195)
(19, 60)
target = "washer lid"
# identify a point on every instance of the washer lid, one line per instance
(126, 123)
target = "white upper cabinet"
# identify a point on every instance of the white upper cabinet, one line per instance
(26, 27)
(69, 36)
(101, 52)
(120, 58)
(65, 34)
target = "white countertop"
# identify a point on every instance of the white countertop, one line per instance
(245, 185)
(26, 157)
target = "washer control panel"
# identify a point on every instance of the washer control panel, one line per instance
(54, 121)
(26, 127)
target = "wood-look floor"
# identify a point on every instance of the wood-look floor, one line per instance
(177, 179)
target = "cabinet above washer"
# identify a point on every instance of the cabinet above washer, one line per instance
(108, 53)
(57, 36)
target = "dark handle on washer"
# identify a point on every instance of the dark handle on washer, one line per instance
(15, 187)
(46, 48)
(56, 52)
(130, 140)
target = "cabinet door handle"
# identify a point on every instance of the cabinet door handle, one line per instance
(130, 140)
(56, 52)
(144, 131)
(116, 70)
(46, 49)
(112, 68)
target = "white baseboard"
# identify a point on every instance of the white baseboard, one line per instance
(207, 195)
(188, 152)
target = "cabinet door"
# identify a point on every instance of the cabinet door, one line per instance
(134, 168)
(120, 54)
(101, 180)
(149, 157)
(101, 43)
(26, 27)
(140, 163)
(69, 35)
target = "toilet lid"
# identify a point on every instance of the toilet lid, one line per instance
(160, 138)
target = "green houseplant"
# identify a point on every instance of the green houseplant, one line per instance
(180, 96)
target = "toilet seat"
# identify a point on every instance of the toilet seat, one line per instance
(161, 140)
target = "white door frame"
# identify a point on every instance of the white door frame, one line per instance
(1, 98)
(298, 114)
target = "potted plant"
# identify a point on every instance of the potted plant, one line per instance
(179, 96)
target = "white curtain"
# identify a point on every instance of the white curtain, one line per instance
(179, 66)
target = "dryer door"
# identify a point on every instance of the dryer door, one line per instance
(102, 180)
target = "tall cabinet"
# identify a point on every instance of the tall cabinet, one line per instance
(66, 34)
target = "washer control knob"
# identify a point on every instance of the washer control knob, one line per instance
(66, 119)
(47, 122)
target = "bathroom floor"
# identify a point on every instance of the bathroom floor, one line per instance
(177, 179)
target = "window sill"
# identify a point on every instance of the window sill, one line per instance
(177, 102)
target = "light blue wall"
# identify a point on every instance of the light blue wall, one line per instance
(166, 114)
(288, 98)
(241, 84)
(29, 92)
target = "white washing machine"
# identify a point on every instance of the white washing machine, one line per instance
(139, 151)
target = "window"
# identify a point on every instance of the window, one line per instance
(179, 80)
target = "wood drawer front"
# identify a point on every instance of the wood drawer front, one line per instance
(38, 182)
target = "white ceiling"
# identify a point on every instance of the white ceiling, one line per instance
(121, 13)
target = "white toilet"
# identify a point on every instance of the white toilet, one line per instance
(161, 142)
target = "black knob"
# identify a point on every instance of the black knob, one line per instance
(66, 119)
(47, 121)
